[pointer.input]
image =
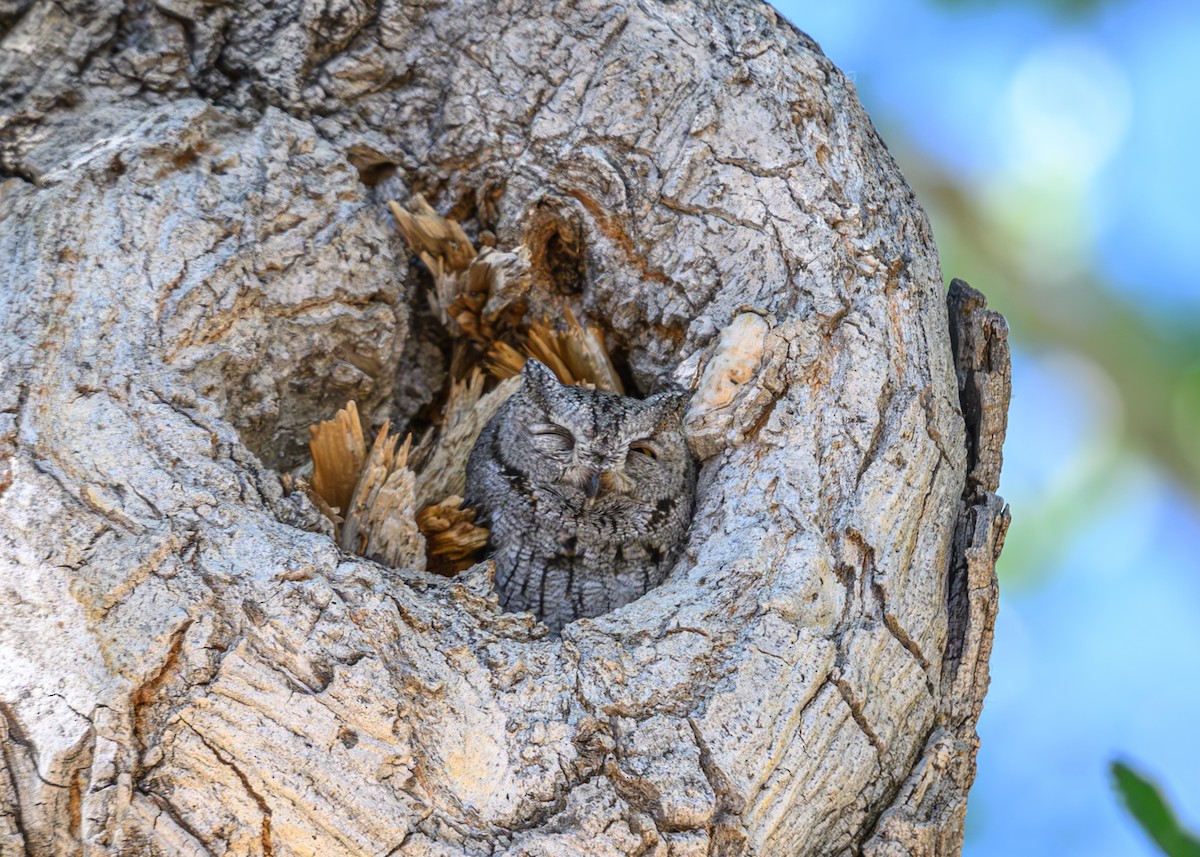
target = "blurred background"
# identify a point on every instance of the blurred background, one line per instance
(1053, 145)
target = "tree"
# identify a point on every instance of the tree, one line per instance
(198, 265)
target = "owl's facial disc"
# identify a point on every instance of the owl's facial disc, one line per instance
(596, 466)
(594, 446)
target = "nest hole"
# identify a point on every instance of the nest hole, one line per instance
(557, 245)
(476, 313)
(373, 166)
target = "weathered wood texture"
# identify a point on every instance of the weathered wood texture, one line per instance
(196, 264)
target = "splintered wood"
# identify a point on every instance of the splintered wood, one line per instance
(492, 299)
(338, 451)
(474, 295)
(381, 520)
(440, 243)
(442, 462)
(452, 539)
(403, 506)
(378, 515)
(481, 298)
(577, 355)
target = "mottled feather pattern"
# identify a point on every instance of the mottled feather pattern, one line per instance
(587, 494)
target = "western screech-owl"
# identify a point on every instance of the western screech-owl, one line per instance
(587, 495)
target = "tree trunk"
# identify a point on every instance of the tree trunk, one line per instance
(198, 264)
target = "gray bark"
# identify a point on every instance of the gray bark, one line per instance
(197, 264)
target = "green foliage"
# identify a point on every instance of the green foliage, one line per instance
(1149, 807)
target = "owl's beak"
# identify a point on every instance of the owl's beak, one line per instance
(593, 486)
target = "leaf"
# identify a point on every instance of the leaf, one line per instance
(1149, 807)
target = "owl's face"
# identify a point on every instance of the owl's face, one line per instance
(593, 448)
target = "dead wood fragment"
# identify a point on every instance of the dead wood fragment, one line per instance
(431, 236)
(477, 296)
(338, 451)
(381, 519)
(441, 462)
(391, 482)
(577, 355)
(491, 300)
(452, 538)
(503, 361)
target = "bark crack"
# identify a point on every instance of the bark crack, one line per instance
(144, 695)
(902, 637)
(856, 712)
(17, 736)
(168, 809)
(263, 807)
(10, 770)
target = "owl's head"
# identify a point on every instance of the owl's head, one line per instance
(595, 447)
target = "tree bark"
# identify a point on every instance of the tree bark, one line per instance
(198, 264)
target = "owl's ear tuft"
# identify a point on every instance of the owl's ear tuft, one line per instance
(538, 376)
(671, 405)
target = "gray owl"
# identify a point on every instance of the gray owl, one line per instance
(587, 495)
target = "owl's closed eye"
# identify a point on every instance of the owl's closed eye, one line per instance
(551, 438)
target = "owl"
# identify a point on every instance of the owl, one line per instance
(587, 495)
